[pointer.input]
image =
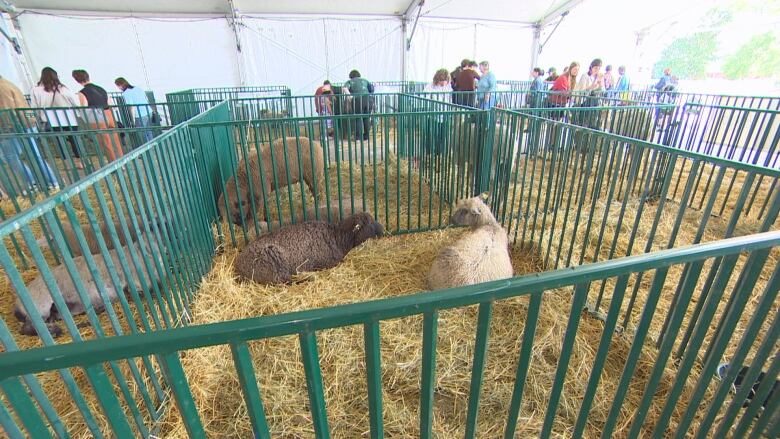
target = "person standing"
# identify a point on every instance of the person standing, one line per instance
(562, 88)
(11, 149)
(50, 92)
(665, 81)
(533, 98)
(141, 110)
(552, 75)
(456, 98)
(361, 90)
(99, 115)
(609, 81)
(593, 79)
(466, 85)
(438, 90)
(623, 84)
(486, 87)
(323, 104)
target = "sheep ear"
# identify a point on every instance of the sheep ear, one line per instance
(476, 211)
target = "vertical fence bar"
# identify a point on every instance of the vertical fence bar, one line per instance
(25, 409)
(311, 364)
(177, 380)
(242, 359)
(523, 363)
(430, 329)
(374, 377)
(578, 303)
(478, 366)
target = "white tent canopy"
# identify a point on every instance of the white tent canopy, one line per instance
(170, 45)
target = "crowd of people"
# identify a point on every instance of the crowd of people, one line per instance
(55, 103)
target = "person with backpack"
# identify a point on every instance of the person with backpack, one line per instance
(361, 90)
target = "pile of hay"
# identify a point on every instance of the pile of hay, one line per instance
(396, 266)
(391, 267)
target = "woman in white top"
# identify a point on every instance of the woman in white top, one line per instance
(590, 84)
(440, 87)
(593, 79)
(51, 93)
(440, 90)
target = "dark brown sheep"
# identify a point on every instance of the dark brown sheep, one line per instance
(309, 246)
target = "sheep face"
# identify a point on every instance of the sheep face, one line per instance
(363, 227)
(470, 212)
(238, 211)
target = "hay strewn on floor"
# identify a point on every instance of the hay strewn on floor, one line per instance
(396, 266)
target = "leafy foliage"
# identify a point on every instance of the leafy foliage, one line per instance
(688, 56)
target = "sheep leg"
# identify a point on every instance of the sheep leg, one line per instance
(29, 329)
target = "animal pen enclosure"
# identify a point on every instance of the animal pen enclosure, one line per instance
(672, 254)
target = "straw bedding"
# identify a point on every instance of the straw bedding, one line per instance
(394, 266)
(397, 266)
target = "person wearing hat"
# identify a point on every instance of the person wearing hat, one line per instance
(552, 75)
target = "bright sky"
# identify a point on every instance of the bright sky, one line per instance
(607, 29)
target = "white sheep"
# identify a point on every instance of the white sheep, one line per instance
(44, 303)
(480, 255)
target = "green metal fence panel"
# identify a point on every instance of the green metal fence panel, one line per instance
(615, 220)
(125, 246)
(747, 135)
(657, 265)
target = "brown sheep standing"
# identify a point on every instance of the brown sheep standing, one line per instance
(275, 257)
(480, 255)
(263, 176)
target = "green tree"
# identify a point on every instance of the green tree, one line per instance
(688, 56)
(757, 58)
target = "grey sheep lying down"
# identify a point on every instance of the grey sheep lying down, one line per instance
(275, 257)
(46, 307)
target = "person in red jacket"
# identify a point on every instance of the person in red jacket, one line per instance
(562, 88)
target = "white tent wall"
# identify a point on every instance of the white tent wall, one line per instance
(157, 54)
(301, 53)
(444, 43)
(8, 65)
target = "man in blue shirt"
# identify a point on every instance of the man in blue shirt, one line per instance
(623, 83)
(665, 81)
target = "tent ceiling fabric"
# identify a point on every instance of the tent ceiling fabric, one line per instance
(525, 11)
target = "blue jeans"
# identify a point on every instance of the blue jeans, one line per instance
(10, 152)
(145, 122)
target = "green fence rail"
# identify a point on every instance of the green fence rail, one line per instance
(514, 85)
(132, 241)
(191, 99)
(381, 162)
(44, 149)
(98, 357)
(616, 222)
(748, 135)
